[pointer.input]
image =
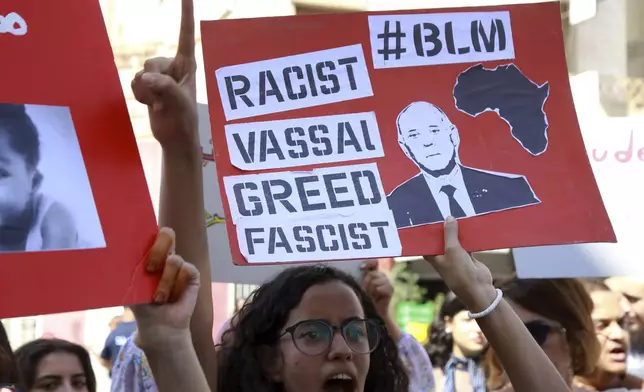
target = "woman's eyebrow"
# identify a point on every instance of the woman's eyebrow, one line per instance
(352, 318)
(48, 377)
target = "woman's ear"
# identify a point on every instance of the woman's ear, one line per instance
(449, 324)
(36, 182)
(272, 363)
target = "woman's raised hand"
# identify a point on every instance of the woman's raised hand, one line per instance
(168, 317)
(467, 277)
(168, 87)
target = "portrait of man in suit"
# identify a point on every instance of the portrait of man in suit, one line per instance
(444, 187)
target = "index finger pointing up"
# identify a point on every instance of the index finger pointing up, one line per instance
(186, 46)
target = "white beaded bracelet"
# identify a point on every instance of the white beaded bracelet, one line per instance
(489, 309)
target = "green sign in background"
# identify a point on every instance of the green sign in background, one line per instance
(415, 318)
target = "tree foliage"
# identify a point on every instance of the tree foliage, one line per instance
(406, 286)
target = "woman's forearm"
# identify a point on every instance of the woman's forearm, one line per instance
(175, 366)
(182, 208)
(393, 329)
(527, 366)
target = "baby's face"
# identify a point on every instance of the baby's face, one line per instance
(16, 182)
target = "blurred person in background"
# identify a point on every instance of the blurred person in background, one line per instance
(115, 321)
(557, 313)
(633, 291)
(117, 338)
(611, 324)
(54, 365)
(8, 372)
(455, 348)
(412, 354)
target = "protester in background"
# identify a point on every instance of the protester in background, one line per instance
(411, 352)
(114, 322)
(455, 348)
(117, 338)
(611, 328)
(8, 372)
(633, 291)
(54, 365)
(132, 369)
(556, 312)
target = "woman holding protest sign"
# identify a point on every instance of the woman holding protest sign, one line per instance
(285, 338)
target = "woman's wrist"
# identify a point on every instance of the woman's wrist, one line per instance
(189, 148)
(479, 298)
(161, 338)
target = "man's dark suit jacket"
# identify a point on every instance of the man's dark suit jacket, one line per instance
(413, 204)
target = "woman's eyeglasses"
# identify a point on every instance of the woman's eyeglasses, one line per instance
(541, 330)
(314, 337)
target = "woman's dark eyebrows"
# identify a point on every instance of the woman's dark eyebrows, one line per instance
(49, 377)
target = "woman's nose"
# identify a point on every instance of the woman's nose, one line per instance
(339, 348)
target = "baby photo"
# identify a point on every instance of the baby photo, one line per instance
(46, 202)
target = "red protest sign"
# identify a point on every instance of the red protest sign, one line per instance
(354, 135)
(76, 218)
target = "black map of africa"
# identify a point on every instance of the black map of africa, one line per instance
(514, 97)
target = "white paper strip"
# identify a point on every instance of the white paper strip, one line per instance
(340, 190)
(440, 38)
(304, 141)
(367, 234)
(293, 82)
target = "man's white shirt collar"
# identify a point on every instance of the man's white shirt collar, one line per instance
(455, 179)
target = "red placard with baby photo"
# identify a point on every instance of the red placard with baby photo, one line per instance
(355, 135)
(76, 219)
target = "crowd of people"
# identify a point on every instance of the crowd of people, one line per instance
(314, 328)
(588, 329)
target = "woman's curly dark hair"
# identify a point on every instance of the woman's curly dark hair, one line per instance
(439, 346)
(264, 315)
